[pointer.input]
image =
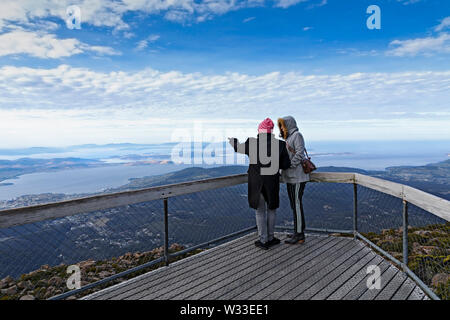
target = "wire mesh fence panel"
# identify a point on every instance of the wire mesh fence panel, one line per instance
(325, 206)
(204, 216)
(34, 257)
(429, 249)
(380, 219)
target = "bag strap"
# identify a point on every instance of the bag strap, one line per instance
(306, 152)
(289, 147)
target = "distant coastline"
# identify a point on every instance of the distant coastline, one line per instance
(6, 184)
(62, 170)
(433, 178)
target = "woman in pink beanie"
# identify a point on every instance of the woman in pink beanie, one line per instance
(266, 126)
(267, 155)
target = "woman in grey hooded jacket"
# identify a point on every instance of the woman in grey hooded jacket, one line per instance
(294, 177)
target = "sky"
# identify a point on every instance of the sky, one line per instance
(151, 71)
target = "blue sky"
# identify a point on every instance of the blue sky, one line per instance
(138, 70)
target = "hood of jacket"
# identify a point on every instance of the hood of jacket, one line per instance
(287, 126)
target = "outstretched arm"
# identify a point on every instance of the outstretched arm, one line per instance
(238, 147)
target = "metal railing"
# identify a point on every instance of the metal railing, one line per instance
(13, 218)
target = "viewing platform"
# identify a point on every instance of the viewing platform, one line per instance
(324, 267)
(355, 224)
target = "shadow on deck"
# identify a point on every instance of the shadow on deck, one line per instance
(324, 267)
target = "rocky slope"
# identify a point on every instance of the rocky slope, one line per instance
(428, 251)
(49, 281)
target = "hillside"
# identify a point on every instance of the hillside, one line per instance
(48, 281)
(188, 174)
(428, 253)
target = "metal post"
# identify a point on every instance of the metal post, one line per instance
(405, 234)
(355, 210)
(166, 232)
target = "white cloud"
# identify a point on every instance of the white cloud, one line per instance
(101, 50)
(287, 3)
(168, 93)
(427, 46)
(421, 46)
(144, 43)
(357, 52)
(45, 45)
(319, 4)
(67, 105)
(406, 2)
(110, 13)
(129, 35)
(94, 12)
(445, 23)
(248, 19)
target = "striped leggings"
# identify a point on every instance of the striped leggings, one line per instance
(295, 193)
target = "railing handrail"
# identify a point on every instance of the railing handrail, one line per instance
(431, 203)
(23, 215)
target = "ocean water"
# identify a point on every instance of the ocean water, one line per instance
(80, 180)
(375, 161)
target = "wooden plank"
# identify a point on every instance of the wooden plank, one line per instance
(332, 274)
(327, 272)
(177, 268)
(358, 279)
(358, 290)
(346, 277)
(386, 278)
(169, 282)
(405, 290)
(428, 202)
(253, 273)
(247, 282)
(336, 177)
(260, 283)
(19, 216)
(417, 294)
(238, 275)
(393, 286)
(388, 187)
(281, 277)
(433, 204)
(298, 275)
(197, 280)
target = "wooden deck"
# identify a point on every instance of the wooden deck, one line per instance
(324, 267)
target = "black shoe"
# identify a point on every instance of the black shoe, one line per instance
(261, 245)
(290, 235)
(296, 238)
(273, 242)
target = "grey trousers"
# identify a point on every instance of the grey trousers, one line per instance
(265, 221)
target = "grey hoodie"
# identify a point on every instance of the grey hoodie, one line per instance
(296, 149)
